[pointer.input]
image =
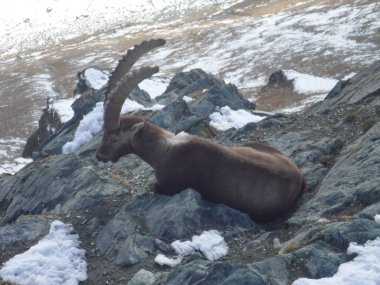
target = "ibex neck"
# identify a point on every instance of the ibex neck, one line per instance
(151, 144)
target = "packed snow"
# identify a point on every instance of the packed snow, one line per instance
(210, 243)
(95, 78)
(309, 84)
(363, 269)
(12, 167)
(154, 86)
(63, 108)
(162, 260)
(89, 126)
(54, 260)
(227, 118)
(377, 219)
(92, 123)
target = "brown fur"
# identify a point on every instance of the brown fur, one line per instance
(255, 178)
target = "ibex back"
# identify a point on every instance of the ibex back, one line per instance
(255, 178)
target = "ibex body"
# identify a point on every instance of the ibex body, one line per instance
(255, 179)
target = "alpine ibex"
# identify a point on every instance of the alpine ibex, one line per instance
(255, 178)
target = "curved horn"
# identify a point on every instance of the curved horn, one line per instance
(122, 81)
(120, 92)
(129, 59)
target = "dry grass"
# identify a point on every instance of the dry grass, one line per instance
(277, 98)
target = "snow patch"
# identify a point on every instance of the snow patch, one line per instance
(188, 99)
(95, 78)
(349, 76)
(56, 259)
(89, 126)
(164, 260)
(183, 247)
(15, 166)
(9, 149)
(377, 219)
(300, 106)
(210, 243)
(227, 118)
(309, 84)
(92, 124)
(63, 108)
(155, 87)
(363, 269)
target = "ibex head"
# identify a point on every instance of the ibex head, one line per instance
(119, 131)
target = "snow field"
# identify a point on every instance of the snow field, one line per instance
(210, 243)
(36, 23)
(54, 260)
(227, 118)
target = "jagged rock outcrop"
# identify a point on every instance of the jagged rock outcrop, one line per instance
(90, 79)
(49, 124)
(278, 79)
(203, 93)
(123, 225)
(365, 85)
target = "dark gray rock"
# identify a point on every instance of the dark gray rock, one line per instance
(340, 234)
(369, 212)
(48, 124)
(25, 228)
(278, 79)
(86, 102)
(191, 214)
(185, 83)
(219, 96)
(207, 93)
(114, 233)
(319, 260)
(353, 178)
(62, 184)
(272, 123)
(142, 277)
(162, 218)
(364, 84)
(171, 115)
(135, 249)
(203, 272)
(140, 96)
(274, 270)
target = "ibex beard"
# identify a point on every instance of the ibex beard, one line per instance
(255, 178)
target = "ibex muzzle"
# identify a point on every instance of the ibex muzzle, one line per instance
(254, 178)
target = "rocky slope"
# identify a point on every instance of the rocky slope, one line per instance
(123, 225)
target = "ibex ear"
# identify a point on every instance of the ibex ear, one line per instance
(137, 128)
